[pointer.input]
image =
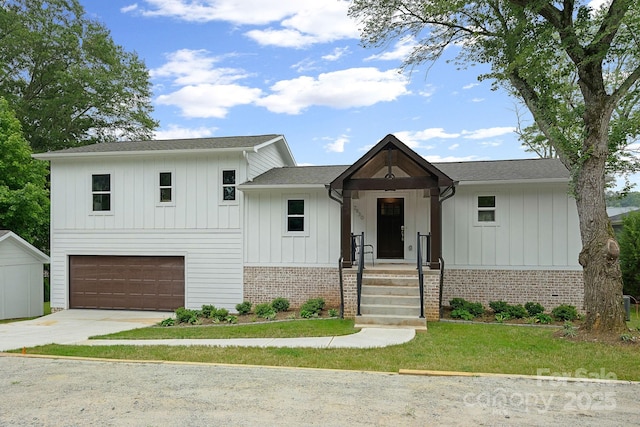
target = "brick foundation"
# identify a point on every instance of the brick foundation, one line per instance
(298, 284)
(547, 287)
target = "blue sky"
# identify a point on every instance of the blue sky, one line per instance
(295, 67)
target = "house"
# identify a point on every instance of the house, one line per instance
(21, 277)
(617, 215)
(155, 225)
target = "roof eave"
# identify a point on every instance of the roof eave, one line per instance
(37, 253)
(279, 186)
(53, 156)
(517, 181)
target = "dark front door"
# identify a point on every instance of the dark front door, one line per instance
(390, 228)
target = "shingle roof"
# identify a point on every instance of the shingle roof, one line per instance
(230, 142)
(482, 171)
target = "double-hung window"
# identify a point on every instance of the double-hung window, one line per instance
(229, 185)
(486, 210)
(295, 216)
(166, 187)
(101, 192)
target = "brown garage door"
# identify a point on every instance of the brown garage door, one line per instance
(126, 282)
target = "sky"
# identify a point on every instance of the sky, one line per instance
(296, 67)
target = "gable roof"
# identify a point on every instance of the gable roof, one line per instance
(527, 170)
(6, 235)
(195, 145)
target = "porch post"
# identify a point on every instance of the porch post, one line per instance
(436, 229)
(345, 229)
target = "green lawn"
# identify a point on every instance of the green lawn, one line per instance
(446, 346)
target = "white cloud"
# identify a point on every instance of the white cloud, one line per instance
(178, 132)
(193, 67)
(470, 86)
(130, 8)
(428, 91)
(337, 145)
(597, 4)
(491, 144)
(399, 52)
(292, 23)
(209, 100)
(336, 54)
(354, 87)
(454, 146)
(450, 159)
(487, 132)
(477, 99)
(414, 139)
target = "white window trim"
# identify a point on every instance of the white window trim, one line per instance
(110, 192)
(285, 216)
(158, 187)
(223, 185)
(495, 209)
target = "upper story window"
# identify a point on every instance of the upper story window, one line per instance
(295, 215)
(101, 192)
(228, 185)
(166, 187)
(486, 208)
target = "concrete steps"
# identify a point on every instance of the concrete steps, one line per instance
(390, 298)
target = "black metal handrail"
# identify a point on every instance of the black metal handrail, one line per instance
(420, 272)
(340, 261)
(360, 265)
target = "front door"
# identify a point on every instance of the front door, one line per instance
(390, 228)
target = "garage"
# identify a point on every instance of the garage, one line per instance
(126, 282)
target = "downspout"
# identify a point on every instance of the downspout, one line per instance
(447, 193)
(334, 198)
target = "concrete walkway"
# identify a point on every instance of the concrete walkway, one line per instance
(76, 326)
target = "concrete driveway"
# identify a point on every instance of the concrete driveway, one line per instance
(71, 326)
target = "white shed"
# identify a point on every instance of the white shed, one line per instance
(21, 277)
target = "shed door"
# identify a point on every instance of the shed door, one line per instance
(153, 283)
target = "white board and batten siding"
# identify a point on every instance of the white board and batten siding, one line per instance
(267, 242)
(21, 279)
(536, 228)
(197, 224)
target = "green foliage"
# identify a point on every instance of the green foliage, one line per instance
(517, 311)
(280, 304)
(501, 317)
(629, 241)
(461, 313)
(565, 312)
(24, 198)
(68, 81)
(543, 318)
(169, 321)
(244, 307)
(534, 308)
(311, 307)
(265, 311)
(211, 312)
(185, 315)
(499, 306)
(333, 312)
(474, 308)
(569, 330)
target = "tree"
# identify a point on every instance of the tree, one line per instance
(630, 253)
(24, 199)
(67, 80)
(577, 72)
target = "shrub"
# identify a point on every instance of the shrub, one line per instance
(308, 314)
(280, 304)
(244, 307)
(533, 308)
(170, 321)
(565, 312)
(499, 306)
(461, 313)
(207, 310)
(568, 330)
(475, 309)
(542, 318)
(184, 315)
(220, 314)
(516, 311)
(265, 311)
(630, 253)
(313, 305)
(501, 317)
(333, 312)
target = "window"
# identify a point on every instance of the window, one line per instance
(486, 209)
(228, 185)
(295, 215)
(166, 187)
(101, 192)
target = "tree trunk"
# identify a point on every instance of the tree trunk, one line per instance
(600, 251)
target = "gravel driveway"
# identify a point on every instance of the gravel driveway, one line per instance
(64, 392)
